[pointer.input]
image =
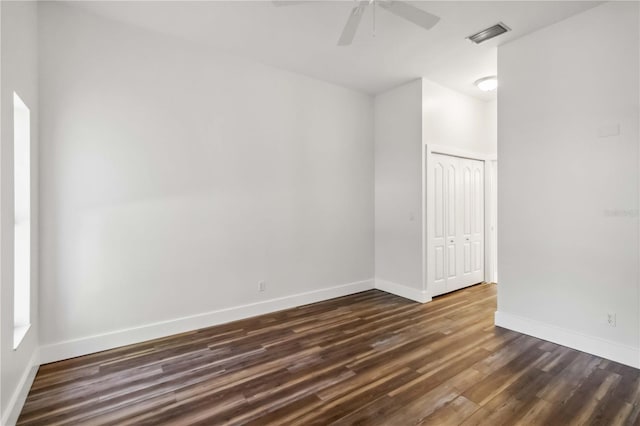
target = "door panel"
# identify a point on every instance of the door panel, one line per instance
(467, 222)
(475, 237)
(477, 256)
(451, 222)
(444, 248)
(438, 180)
(452, 190)
(467, 258)
(466, 201)
(439, 246)
(478, 205)
(439, 264)
(452, 272)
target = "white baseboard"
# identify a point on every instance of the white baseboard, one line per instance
(91, 344)
(613, 351)
(19, 396)
(402, 291)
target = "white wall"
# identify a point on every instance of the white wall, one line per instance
(398, 187)
(455, 120)
(568, 199)
(492, 120)
(175, 178)
(18, 74)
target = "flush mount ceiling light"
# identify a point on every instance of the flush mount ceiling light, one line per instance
(487, 84)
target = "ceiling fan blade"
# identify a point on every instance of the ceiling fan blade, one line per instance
(410, 13)
(349, 31)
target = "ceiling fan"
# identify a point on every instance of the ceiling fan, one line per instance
(399, 8)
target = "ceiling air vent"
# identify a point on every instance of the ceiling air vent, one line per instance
(489, 33)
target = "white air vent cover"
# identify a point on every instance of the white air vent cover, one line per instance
(489, 33)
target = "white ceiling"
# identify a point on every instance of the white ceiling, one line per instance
(302, 38)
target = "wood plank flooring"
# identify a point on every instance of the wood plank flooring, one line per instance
(369, 358)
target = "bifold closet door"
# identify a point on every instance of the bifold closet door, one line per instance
(471, 246)
(446, 221)
(457, 237)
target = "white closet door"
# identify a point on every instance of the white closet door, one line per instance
(438, 238)
(472, 231)
(445, 232)
(452, 222)
(457, 232)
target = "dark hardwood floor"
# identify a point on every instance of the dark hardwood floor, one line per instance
(369, 358)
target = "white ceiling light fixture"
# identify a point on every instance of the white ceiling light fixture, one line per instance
(487, 84)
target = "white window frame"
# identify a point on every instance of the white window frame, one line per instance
(22, 220)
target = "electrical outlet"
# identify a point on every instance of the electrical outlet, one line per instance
(611, 319)
(262, 286)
